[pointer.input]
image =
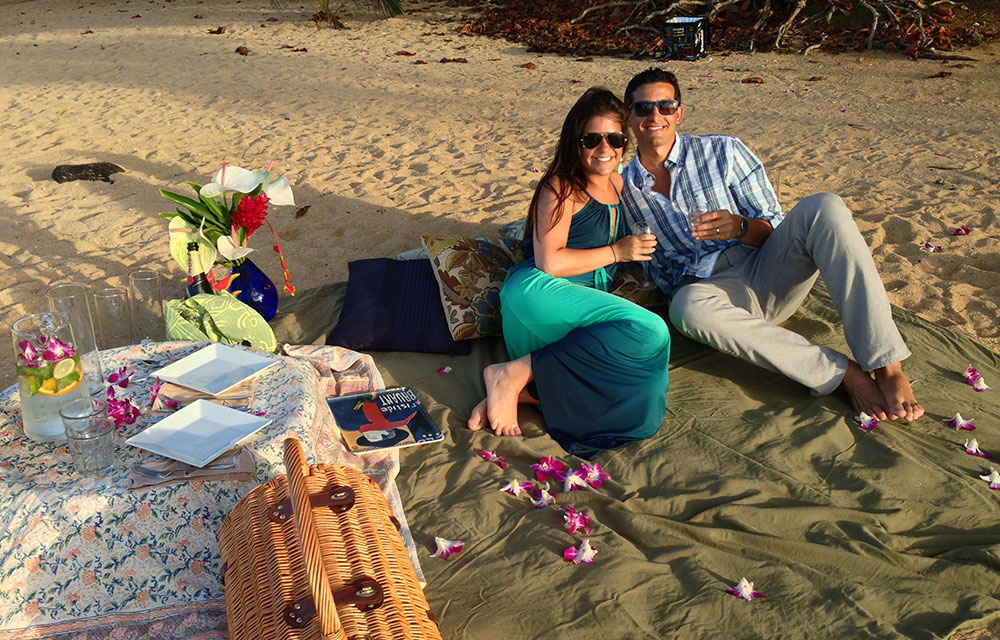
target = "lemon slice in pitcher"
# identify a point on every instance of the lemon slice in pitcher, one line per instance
(27, 385)
(63, 368)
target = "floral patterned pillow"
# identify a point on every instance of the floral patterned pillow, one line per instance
(470, 272)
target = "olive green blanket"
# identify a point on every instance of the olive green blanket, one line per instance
(851, 534)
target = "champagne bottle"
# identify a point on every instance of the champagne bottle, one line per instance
(197, 281)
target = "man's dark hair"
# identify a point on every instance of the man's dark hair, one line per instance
(650, 76)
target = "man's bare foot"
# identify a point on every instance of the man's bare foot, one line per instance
(479, 418)
(504, 384)
(899, 399)
(865, 395)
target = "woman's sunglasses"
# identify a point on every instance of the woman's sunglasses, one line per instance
(643, 108)
(593, 140)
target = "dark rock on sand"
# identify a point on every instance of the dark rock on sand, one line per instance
(93, 171)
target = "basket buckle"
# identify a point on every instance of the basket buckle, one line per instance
(298, 614)
(365, 593)
(339, 498)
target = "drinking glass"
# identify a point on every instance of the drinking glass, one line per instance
(112, 317)
(90, 435)
(147, 306)
(74, 300)
(640, 228)
(49, 373)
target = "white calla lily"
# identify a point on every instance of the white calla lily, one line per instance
(278, 192)
(231, 179)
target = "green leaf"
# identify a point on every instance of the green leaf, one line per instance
(193, 205)
(219, 212)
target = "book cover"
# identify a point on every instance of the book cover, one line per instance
(382, 419)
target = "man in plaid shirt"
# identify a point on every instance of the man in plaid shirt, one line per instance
(742, 267)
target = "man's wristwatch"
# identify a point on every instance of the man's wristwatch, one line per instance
(744, 227)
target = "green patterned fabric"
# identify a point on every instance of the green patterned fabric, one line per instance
(218, 318)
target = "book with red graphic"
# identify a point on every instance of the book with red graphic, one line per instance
(382, 419)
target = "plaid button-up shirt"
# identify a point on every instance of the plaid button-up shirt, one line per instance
(707, 173)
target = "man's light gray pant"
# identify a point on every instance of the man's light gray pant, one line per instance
(737, 310)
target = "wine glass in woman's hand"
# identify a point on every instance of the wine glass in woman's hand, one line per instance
(642, 228)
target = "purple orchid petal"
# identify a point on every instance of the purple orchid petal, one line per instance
(575, 520)
(170, 404)
(583, 553)
(958, 422)
(971, 375)
(491, 456)
(516, 488)
(972, 448)
(122, 377)
(961, 231)
(155, 392)
(980, 385)
(541, 498)
(594, 475)
(575, 480)
(447, 548)
(444, 370)
(549, 467)
(931, 248)
(993, 478)
(744, 589)
(866, 421)
(29, 354)
(56, 349)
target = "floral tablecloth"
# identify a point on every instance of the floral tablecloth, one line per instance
(145, 563)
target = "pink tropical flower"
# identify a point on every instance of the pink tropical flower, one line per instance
(444, 370)
(744, 589)
(29, 354)
(594, 475)
(575, 480)
(583, 553)
(973, 379)
(250, 213)
(56, 349)
(155, 390)
(517, 488)
(549, 468)
(491, 456)
(541, 498)
(958, 423)
(980, 385)
(961, 231)
(972, 448)
(446, 548)
(121, 412)
(931, 248)
(993, 478)
(866, 421)
(122, 377)
(575, 520)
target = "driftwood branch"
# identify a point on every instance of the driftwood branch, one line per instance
(784, 27)
(601, 7)
(871, 33)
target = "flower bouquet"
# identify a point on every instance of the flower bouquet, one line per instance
(227, 212)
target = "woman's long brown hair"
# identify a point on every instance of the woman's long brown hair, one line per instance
(566, 165)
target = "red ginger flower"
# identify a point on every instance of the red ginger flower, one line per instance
(250, 213)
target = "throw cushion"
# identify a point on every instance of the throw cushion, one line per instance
(393, 305)
(470, 272)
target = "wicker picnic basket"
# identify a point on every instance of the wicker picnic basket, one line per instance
(339, 572)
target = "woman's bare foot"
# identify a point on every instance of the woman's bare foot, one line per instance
(504, 385)
(899, 399)
(864, 393)
(479, 418)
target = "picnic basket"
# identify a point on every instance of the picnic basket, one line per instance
(316, 554)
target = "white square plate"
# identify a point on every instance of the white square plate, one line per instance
(198, 433)
(214, 369)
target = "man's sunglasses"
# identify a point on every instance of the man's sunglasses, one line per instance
(643, 108)
(593, 140)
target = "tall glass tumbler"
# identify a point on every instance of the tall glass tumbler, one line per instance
(74, 300)
(49, 373)
(112, 317)
(90, 436)
(147, 306)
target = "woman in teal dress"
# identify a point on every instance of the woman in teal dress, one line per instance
(594, 362)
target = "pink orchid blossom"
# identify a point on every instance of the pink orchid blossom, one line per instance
(980, 385)
(972, 448)
(122, 377)
(993, 478)
(583, 553)
(576, 520)
(56, 349)
(970, 374)
(931, 248)
(575, 480)
(491, 456)
(541, 498)
(744, 589)
(446, 548)
(29, 355)
(594, 475)
(155, 390)
(973, 379)
(958, 423)
(961, 231)
(549, 468)
(121, 412)
(866, 421)
(517, 488)
(444, 370)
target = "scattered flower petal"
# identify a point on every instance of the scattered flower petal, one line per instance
(931, 248)
(575, 480)
(517, 488)
(958, 422)
(444, 370)
(993, 478)
(744, 589)
(549, 468)
(121, 412)
(961, 231)
(576, 520)
(866, 421)
(155, 392)
(972, 448)
(56, 349)
(491, 456)
(541, 498)
(971, 375)
(980, 385)
(583, 553)
(534, 170)
(594, 475)
(122, 377)
(445, 548)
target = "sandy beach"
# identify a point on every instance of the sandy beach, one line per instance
(383, 149)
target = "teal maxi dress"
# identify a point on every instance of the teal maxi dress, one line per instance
(599, 361)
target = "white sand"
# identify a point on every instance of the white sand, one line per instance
(384, 150)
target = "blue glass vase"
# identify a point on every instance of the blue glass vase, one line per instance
(252, 287)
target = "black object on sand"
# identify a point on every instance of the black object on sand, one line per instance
(92, 171)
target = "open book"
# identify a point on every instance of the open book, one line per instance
(382, 419)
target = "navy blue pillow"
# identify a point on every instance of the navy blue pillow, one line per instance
(394, 305)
